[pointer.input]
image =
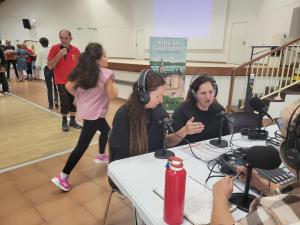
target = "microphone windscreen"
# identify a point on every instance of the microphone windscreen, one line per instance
(215, 108)
(159, 113)
(263, 157)
(258, 105)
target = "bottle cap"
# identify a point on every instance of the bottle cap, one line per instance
(175, 163)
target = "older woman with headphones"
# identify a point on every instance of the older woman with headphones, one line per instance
(194, 111)
(283, 204)
(135, 130)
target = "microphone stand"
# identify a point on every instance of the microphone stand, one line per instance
(258, 133)
(243, 200)
(163, 153)
(219, 142)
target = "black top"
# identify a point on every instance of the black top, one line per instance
(120, 134)
(2, 58)
(9, 47)
(186, 111)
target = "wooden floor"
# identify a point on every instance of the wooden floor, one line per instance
(29, 198)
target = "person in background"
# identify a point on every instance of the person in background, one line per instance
(21, 61)
(282, 204)
(63, 59)
(195, 111)
(93, 87)
(28, 58)
(135, 130)
(34, 70)
(11, 58)
(3, 81)
(41, 65)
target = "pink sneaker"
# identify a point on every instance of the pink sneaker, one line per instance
(63, 184)
(103, 158)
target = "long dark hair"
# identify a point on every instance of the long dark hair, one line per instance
(86, 72)
(138, 143)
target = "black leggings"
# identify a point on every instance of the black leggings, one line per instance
(87, 133)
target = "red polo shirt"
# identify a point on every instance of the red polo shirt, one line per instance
(65, 65)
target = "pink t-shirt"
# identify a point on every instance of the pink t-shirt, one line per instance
(93, 103)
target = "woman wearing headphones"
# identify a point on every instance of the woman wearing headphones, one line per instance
(283, 204)
(194, 111)
(134, 129)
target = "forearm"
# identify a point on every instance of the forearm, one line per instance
(221, 213)
(265, 186)
(176, 137)
(70, 86)
(52, 63)
(112, 90)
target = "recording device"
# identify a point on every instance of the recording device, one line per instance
(260, 157)
(218, 110)
(259, 106)
(61, 47)
(160, 115)
(290, 148)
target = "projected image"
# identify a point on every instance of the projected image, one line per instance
(178, 18)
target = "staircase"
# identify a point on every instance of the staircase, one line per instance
(273, 77)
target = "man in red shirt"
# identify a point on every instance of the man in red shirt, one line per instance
(63, 59)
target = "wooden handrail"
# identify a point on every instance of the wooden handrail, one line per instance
(268, 53)
(234, 70)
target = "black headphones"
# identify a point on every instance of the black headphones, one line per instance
(143, 95)
(197, 79)
(290, 148)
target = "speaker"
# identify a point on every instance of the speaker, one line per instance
(26, 24)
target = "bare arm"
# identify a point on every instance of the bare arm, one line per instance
(221, 192)
(111, 89)
(70, 86)
(52, 63)
(189, 128)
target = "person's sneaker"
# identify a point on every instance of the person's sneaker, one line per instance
(65, 126)
(63, 184)
(74, 124)
(1, 94)
(7, 93)
(103, 158)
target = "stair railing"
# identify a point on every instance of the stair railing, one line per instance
(271, 73)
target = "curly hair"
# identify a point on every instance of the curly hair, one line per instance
(86, 72)
(138, 143)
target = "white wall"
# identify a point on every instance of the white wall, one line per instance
(114, 23)
(105, 21)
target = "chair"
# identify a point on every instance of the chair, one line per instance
(114, 189)
(242, 120)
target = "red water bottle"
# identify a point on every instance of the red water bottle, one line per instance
(175, 180)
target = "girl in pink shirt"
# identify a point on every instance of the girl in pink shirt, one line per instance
(93, 87)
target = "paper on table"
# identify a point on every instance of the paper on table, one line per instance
(198, 201)
(205, 151)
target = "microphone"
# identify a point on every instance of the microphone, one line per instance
(258, 105)
(218, 110)
(61, 47)
(160, 115)
(260, 157)
(263, 157)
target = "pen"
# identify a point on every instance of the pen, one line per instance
(236, 176)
